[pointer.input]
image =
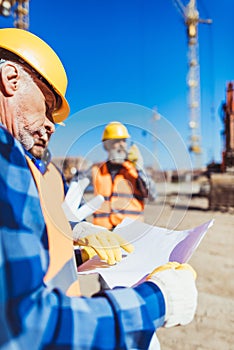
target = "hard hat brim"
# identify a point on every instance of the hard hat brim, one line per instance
(60, 114)
(115, 138)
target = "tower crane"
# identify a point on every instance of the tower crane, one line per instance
(18, 9)
(191, 18)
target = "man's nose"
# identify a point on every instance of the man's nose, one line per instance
(122, 143)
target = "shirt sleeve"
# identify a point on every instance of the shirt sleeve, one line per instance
(32, 315)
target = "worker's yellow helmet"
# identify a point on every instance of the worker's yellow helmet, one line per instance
(115, 130)
(42, 59)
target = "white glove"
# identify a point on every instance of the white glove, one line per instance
(85, 228)
(177, 284)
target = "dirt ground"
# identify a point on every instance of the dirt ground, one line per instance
(213, 326)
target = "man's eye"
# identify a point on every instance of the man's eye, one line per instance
(49, 111)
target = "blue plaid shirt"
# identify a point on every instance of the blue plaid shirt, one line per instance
(34, 317)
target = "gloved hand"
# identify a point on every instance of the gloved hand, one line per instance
(177, 284)
(134, 156)
(98, 240)
(87, 253)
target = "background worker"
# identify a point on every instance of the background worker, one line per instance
(33, 85)
(121, 179)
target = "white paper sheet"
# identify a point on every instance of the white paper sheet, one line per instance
(75, 192)
(154, 246)
(73, 199)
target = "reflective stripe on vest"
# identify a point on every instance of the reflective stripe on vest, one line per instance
(62, 271)
(122, 198)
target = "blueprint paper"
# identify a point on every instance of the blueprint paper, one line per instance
(153, 246)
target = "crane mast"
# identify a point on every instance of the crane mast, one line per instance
(193, 78)
(191, 19)
(18, 9)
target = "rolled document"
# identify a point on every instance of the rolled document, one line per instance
(90, 207)
(75, 193)
(76, 215)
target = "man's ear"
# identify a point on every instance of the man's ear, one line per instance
(10, 76)
(107, 144)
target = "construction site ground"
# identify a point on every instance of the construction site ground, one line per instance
(213, 326)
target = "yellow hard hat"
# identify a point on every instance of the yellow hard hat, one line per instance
(115, 130)
(42, 59)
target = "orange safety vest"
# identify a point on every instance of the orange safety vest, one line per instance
(122, 198)
(62, 270)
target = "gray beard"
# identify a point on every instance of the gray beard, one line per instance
(24, 136)
(26, 140)
(117, 157)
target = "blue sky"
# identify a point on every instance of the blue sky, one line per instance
(123, 58)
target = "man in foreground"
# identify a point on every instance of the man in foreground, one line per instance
(35, 310)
